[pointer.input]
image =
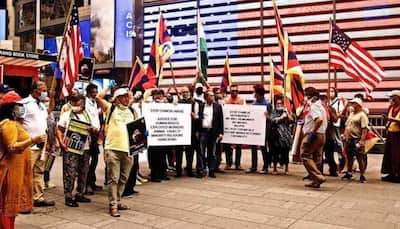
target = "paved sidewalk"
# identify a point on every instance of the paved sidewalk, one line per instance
(234, 200)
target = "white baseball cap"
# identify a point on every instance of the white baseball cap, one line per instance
(198, 85)
(394, 93)
(356, 100)
(120, 91)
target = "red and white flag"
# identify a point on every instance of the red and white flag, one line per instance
(73, 53)
(357, 63)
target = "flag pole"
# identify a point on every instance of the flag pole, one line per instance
(197, 41)
(67, 21)
(172, 73)
(334, 21)
(272, 82)
(285, 68)
(329, 60)
(262, 40)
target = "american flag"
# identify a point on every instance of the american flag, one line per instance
(354, 60)
(73, 52)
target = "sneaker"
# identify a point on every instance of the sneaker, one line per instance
(82, 199)
(114, 212)
(142, 179)
(347, 176)
(71, 203)
(138, 182)
(123, 207)
(264, 171)
(228, 167)
(251, 170)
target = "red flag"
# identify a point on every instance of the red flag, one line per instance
(354, 60)
(370, 140)
(227, 77)
(138, 77)
(74, 53)
(160, 51)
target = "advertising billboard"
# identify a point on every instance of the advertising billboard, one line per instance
(124, 35)
(3, 24)
(102, 32)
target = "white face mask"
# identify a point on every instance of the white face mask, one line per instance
(76, 108)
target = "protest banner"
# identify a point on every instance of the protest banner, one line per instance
(76, 136)
(137, 136)
(168, 124)
(244, 124)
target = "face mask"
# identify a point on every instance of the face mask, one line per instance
(76, 108)
(47, 104)
(280, 108)
(20, 112)
(43, 96)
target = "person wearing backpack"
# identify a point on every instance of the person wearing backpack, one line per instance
(118, 160)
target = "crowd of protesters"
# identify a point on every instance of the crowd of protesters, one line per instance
(31, 138)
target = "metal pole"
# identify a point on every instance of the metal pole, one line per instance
(329, 60)
(262, 39)
(334, 21)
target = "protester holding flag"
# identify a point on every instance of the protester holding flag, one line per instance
(355, 136)
(315, 124)
(35, 121)
(391, 157)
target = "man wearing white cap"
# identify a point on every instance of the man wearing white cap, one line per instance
(355, 134)
(116, 146)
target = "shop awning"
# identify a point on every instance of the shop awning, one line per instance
(25, 59)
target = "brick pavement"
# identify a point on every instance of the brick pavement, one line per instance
(234, 200)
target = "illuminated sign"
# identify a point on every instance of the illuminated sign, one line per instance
(124, 21)
(3, 24)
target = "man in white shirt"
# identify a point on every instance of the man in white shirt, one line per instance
(211, 131)
(35, 121)
(93, 110)
(315, 124)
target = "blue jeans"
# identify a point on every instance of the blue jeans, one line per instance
(207, 153)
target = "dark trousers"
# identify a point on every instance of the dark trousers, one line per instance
(218, 154)
(94, 159)
(131, 183)
(75, 166)
(189, 153)
(254, 157)
(158, 162)
(48, 166)
(229, 154)
(207, 153)
(329, 149)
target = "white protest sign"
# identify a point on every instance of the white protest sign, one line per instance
(244, 124)
(168, 124)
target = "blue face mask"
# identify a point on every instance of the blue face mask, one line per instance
(43, 96)
(20, 112)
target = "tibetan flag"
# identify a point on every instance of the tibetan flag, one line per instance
(202, 52)
(277, 80)
(161, 50)
(294, 77)
(138, 77)
(227, 77)
(354, 60)
(73, 52)
(370, 140)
